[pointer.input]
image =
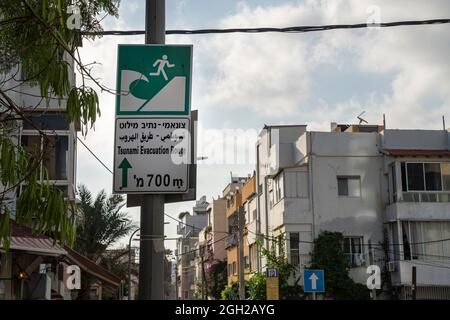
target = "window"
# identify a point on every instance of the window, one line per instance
(394, 184)
(403, 168)
(421, 240)
(54, 150)
(433, 176)
(415, 176)
(186, 294)
(247, 262)
(349, 186)
(271, 199)
(296, 184)
(353, 251)
(280, 245)
(185, 249)
(278, 181)
(445, 170)
(46, 121)
(294, 246)
(253, 256)
(234, 267)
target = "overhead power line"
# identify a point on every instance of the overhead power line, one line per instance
(192, 226)
(92, 152)
(296, 29)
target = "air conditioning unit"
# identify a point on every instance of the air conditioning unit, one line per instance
(391, 266)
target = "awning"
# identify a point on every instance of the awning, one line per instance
(22, 239)
(36, 246)
(92, 268)
(418, 153)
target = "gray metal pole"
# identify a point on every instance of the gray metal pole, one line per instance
(151, 258)
(155, 21)
(241, 253)
(129, 262)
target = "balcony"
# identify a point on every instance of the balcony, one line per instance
(234, 204)
(249, 188)
(231, 240)
(428, 272)
(290, 211)
(421, 208)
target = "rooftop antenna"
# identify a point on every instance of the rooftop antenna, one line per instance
(361, 120)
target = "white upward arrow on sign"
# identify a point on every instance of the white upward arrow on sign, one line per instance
(313, 279)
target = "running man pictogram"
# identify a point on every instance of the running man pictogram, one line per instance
(162, 63)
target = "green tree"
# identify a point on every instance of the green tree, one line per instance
(280, 262)
(36, 36)
(102, 223)
(230, 292)
(328, 255)
(216, 279)
(257, 287)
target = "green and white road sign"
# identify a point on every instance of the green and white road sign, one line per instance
(151, 155)
(154, 80)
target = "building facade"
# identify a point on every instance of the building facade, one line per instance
(189, 228)
(372, 184)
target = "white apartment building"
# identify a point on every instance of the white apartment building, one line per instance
(189, 228)
(365, 182)
(59, 159)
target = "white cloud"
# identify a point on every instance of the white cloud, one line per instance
(272, 74)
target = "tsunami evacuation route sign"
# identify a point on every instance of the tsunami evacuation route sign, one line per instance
(154, 80)
(151, 155)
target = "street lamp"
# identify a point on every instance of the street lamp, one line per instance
(129, 257)
(129, 262)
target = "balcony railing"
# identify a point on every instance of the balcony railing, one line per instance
(443, 197)
(231, 240)
(355, 260)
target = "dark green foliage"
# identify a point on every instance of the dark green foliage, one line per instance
(101, 224)
(257, 287)
(216, 279)
(328, 255)
(230, 292)
(35, 36)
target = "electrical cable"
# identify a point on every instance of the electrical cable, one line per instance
(191, 226)
(296, 29)
(92, 152)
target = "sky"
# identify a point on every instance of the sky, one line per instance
(243, 81)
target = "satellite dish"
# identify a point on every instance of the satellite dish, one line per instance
(361, 120)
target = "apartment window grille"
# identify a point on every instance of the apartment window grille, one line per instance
(294, 246)
(349, 186)
(353, 251)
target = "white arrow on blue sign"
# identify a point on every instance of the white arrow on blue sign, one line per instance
(313, 280)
